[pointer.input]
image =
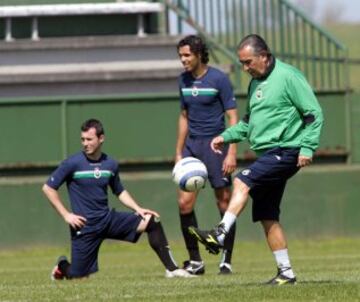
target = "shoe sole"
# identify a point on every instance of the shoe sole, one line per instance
(282, 283)
(200, 271)
(211, 250)
(170, 276)
(224, 273)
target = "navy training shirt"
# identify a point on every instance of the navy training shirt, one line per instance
(87, 183)
(206, 99)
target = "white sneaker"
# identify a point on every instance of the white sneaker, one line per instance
(178, 273)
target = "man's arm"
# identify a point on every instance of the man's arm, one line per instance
(127, 200)
(181, 135)
(306, 103)
(75, 221)
(229, 164)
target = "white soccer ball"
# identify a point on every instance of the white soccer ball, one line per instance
(190, 174)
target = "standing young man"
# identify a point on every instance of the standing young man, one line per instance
(206, 97)
(283, 124)
(87, 175)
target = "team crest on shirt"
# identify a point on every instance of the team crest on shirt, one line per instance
(97, 173)
(259, 94)
(194, 91)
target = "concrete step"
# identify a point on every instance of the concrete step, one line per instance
(89, 66)
(88, 50)
(103, 71)
(89, 79)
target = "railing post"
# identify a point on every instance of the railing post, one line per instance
(179, 20)
(64, 136)
(34, 29)
(140, 25)
(8, 29)
(273, 25)
(237, 71)
(164, 19)
(348, 110)
(282, 28)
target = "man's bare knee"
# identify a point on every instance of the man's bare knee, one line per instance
(223, 196)
(186, 202)
(241, 187)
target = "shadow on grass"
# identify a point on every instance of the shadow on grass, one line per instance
(305, 282)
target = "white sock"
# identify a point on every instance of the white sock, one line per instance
(283, 262)
(227, 220)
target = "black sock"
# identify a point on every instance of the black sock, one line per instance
(229, 243)
(159, 243)
(187, 220)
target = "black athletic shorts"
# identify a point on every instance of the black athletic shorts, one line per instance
(85, 247)
(267, 178)
(200, 148)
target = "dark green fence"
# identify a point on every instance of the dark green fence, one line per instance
(140, 129)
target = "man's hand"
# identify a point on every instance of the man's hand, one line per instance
(229, 164)
(217, 144)
(177, 158)
(143, 212)
(75, 221)
(304, 161)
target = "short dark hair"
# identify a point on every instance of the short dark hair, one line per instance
(93, 123)
(197, 46)
(257, 43)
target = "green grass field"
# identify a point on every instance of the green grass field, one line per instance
(327, 270)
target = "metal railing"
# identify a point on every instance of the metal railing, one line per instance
(291, 35)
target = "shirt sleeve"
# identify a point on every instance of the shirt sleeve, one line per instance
(236, 133)
(61, 174)
(115, 183)
(227, 94)
(304, 99)
(239, 132)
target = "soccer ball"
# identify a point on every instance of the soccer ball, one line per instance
(190, 174)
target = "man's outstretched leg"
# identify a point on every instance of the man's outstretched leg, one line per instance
(214, 239)
(159, 244)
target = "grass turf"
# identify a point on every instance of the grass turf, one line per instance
(327, 270)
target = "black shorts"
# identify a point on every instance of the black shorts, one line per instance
(85, 247)
(267, 178)
(200, 148)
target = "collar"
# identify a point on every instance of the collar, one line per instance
(270, 68)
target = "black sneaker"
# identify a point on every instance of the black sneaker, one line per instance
(57, 273)
(194, 267)
(225, 269)
(281, 279)
(209, 238)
